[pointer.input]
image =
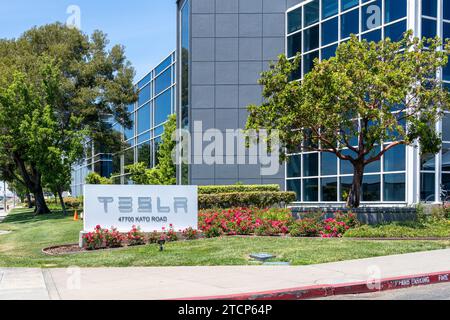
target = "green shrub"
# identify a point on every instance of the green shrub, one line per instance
(95, 178)
(238, 188)
(249, 199)
(402, 230)
(73, 203)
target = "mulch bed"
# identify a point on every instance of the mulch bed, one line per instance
(75, 248)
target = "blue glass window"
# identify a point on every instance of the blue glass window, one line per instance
(308, 61)
(294, 44)
(395, 159)
(429, 8)
(294, 185)
(144, 154)
(371, 188)
(446, 181)
(311, 190)
(329, 52)
(143, 119)
(163, 82)
(394, 187)
(310, 164)
(427, 184)
(371, 16)
(329, 8)
(329, 189)
(347, 4)
(129, 133)
(346, 166)
(145, 80)
(295, 20)
(144, 95)
(445, 157)
(394, 10)
(144, 137)
(311, 40)
(163, 65)
(446, 9)
(372, 36)
(429, 28)
(158, 131)
(311, 12)
(395, 31)
(163, 107)
(446, 127)
(374, 166)
(129, 157)
(294, 167)
(329, 164)
(428, 162)
(297, 73)
(330, 30)
(446, 31)
(349, 23)
(446, 71)
(346, 186)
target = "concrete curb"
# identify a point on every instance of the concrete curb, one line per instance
(321, 291)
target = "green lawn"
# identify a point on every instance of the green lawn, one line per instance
(22, 247)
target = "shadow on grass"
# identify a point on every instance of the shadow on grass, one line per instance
(23, 216)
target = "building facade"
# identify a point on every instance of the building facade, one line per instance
(223, 46)
(157, 100)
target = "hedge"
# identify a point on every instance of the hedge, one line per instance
(247, 199)
(238, 189)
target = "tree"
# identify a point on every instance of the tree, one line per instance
(165, 171)
(375, 94)
(81, 82)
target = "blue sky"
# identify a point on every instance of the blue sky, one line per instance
(147, 28)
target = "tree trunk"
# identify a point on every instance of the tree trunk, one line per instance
(33, 181)
(41, 205)
(354, 197)
(28, 195)
(61, 200)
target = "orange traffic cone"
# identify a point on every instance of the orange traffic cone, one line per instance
(75, 216)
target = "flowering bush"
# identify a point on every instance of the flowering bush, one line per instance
(113, 238)
(135, 237)
(171, 234)
(94, 240)
(307, 227)
(190, 233)
(244, 221)
(333, 228)
(153, 237)
(349, 219)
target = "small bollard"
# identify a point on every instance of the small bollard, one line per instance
(161, 245)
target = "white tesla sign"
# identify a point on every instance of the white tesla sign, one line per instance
(152, 208)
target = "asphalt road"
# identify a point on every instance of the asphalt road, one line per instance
(429, 292)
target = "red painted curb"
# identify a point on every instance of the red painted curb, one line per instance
(321, 291)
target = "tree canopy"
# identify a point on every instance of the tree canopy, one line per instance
(58, 86)
(358, 105)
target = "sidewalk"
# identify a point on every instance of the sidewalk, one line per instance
(188, 282)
